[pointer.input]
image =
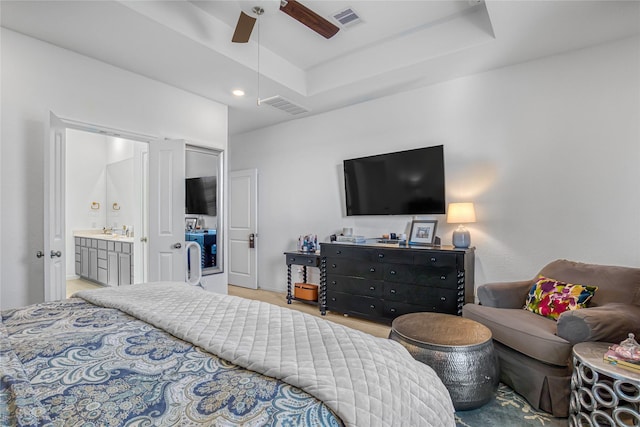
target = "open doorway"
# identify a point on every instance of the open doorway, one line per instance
(105, 212)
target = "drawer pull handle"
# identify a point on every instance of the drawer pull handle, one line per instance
(372, 288)
(333, 298)
(372, 270)
(433, 259)
(392, 272)
(380, 255)
(333, 266)
(393, 310)
(293, 259)
(443, 277)
(333, 282)
(372, 307)
(309, 261)
(338, 252)
(443, 298)
(393, 291)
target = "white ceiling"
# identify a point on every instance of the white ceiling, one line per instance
(398, 46)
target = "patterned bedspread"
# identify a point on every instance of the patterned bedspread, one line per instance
(72, 363)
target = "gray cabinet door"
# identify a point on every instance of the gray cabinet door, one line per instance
(84, 262)
(78, 257)
(112, 269)
(93, 264)
(125, 269)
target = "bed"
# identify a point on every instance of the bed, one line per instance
(162, 354)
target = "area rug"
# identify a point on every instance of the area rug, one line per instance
(507, 409)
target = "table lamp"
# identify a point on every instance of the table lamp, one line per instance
(461, 213)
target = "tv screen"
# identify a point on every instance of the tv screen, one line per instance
(403, 183)
(200, 195)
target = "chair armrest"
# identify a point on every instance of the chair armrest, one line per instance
(609, 323)
(504, 294)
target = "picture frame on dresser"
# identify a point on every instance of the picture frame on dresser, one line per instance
(190, 223)
(423, 232)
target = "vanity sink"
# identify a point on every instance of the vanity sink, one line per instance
(98, 234)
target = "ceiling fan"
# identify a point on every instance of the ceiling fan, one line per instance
(294, 9)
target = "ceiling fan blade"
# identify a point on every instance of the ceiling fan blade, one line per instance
(308, 17)
(243, 28)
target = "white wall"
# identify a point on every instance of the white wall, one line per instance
(37, 78)
(547, 150)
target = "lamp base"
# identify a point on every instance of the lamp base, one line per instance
(461, 238)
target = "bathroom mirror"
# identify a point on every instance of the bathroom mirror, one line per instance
(120, 208)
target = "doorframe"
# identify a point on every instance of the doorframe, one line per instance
(220, 213)
(53, 292)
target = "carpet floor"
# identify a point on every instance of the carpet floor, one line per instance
(507, 409)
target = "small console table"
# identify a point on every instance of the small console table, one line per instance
(305, 259)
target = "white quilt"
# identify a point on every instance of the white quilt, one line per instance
(366, 381)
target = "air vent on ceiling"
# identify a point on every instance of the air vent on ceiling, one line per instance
(347, 17)
(282, 103)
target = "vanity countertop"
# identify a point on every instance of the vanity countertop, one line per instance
(98, 234)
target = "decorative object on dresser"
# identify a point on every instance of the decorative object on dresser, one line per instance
(382, 282)
(534, 350)
(423, 232)
(461, 213)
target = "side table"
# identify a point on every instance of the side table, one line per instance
(602, 393)
(459, 350)
(305, 259)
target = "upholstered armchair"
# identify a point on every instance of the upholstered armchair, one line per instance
(535, 351)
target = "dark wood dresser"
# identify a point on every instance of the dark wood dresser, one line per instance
(383, 281)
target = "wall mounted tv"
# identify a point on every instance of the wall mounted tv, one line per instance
(200, 195)
(403, 183)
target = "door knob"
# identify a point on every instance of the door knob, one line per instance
(55, 254)
(177, 245)
(252, 240)
(143, 239)
(39, 254)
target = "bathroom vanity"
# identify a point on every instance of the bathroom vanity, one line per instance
(106, 259)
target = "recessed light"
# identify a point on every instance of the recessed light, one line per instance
(238, 92)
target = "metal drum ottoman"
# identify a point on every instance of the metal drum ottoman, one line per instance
(459, 350)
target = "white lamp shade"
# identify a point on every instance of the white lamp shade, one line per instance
(461, 213)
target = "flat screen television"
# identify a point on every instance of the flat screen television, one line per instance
(403, 183)
(200, 195)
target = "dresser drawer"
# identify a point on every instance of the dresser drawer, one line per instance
(354, 285)
(423, 275)
(421, 299)
(347, 303)
(393, 309)
(303, 259)
(438, 259)
(425, 296)
(348, 267)
(337, 251)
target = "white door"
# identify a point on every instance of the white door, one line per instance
(166, 211)
(54, 219)
(243, 228)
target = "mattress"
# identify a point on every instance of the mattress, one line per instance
(169, 354)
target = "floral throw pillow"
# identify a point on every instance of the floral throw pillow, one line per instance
(551, 298)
